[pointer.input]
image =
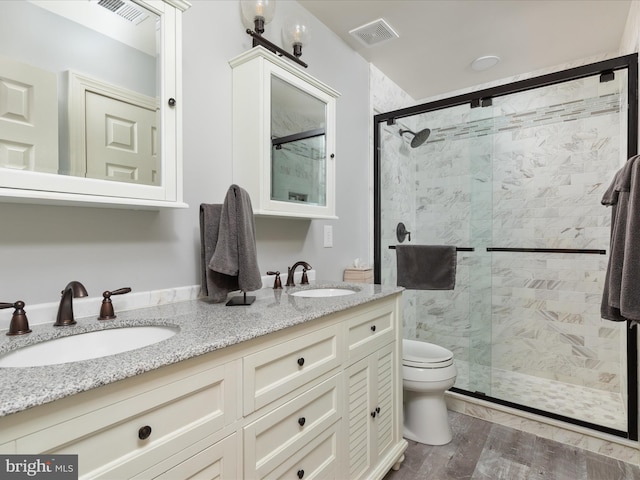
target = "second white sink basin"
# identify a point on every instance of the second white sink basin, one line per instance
(85, 346)
(323, 292)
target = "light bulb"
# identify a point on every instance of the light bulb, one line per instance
(258, 13)
(296, 33)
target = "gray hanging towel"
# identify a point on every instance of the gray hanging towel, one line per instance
(235, 254)
(621, 295)
(426, 267)
(214, 285)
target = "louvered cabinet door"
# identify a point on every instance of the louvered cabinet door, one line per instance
(385, 421)
(372, 420)
(359, 378)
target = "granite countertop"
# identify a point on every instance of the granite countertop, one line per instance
(204, 327)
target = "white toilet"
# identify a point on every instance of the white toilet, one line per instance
(427, 371)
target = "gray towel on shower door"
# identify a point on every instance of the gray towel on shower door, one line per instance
(621, 293)
(426, 267)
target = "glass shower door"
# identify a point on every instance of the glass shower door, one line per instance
(556, 149)
(514, 179)
(441, 191)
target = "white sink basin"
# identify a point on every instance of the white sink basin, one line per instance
(85, 346)
(323, 292)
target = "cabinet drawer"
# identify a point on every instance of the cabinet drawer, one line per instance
(270, 440)
(215, 461)
(278, 370)
(317, 459)
(178, 414)
(370, 330)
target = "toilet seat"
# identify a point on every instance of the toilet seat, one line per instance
(425, 355)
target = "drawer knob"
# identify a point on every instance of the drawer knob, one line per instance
(300, 473)
(302, 421)
(377, 409)
(144, 432)
(373, 414)
(373, 328)
(301, 361)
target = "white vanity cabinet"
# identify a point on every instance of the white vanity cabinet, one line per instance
(284, 129)
(140, 427)
(373, 384)
(299, 384)
(321, 399)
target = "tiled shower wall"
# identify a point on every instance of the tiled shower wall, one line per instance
(527, 172)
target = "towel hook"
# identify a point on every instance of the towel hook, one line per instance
(402, 233)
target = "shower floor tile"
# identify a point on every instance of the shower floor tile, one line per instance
(599, 407)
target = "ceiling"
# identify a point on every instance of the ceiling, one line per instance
(438, 39)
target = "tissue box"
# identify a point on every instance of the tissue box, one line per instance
(358, 275)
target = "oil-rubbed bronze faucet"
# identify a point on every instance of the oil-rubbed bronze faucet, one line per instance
(292, 270)
(19, 323)
(65, 310)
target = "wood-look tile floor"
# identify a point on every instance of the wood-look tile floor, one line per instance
(481, 450)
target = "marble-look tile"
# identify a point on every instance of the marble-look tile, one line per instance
(551, 392)
(575, 436)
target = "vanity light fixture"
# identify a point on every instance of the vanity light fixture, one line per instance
(296, 32)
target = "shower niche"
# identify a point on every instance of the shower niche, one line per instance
(283, 137)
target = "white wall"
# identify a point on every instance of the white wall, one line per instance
(43, 247)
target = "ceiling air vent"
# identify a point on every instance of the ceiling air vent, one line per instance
(374, 33)
(127, 10)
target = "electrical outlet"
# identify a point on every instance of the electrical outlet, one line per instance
(328, 236)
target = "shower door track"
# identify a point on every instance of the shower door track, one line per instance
(483, 97)
(545, 413)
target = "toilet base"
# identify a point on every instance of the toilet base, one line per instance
(426, 419)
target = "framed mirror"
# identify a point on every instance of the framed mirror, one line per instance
(88, 109)
(299, 145)
(284, 137)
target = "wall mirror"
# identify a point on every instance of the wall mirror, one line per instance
(88, 107)
(298, 139)
(284, 137)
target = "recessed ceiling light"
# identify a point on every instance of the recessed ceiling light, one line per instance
(484, 63)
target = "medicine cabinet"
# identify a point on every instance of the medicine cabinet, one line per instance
(283, 137)
(90, 109)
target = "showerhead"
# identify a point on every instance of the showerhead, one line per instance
(418, 138)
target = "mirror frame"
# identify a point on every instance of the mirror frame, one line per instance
(54, 189)
(252, 143)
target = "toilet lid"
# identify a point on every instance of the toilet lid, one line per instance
(426, 355)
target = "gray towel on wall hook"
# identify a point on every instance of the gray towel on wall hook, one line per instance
(621, 295)
(426, 267)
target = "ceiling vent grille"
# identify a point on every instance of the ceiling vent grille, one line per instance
(127, 10)
(374, 33)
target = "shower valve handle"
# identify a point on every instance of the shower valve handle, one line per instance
(402, 232)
